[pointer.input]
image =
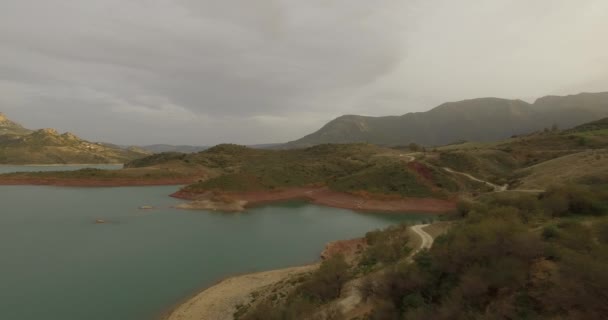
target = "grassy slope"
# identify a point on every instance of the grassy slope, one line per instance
(342, 167)
(582, 167)
(533, 161)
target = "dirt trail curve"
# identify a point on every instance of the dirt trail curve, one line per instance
(427, 239)
(409, 157)
(351, 294)
(496, 188)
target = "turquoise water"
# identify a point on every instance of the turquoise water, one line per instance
(9, 168)
(58, 264)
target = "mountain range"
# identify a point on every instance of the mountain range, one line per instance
(19, 145)
(483, 119)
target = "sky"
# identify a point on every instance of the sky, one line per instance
(204, 72)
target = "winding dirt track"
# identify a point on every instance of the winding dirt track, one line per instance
(496, 188)
(427, 239)
(351, 295)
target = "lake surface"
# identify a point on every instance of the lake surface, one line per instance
(56, 263)
(9, 168)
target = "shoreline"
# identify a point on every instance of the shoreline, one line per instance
(317, 196)
(61, 164)
(86, 183)
(240, 201)
(220, 300)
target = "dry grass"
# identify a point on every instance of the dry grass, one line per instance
(567, 169)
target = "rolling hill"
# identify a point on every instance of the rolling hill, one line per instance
(484, 119)
(19, 145)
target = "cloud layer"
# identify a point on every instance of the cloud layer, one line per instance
(207, 71)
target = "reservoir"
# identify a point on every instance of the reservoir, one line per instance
(58, 264)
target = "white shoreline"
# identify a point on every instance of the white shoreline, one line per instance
(219, 301)
(62, 165)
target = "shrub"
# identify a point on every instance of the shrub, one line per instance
(563, 200)
(326, 283)
(387, 246)
(550, 232)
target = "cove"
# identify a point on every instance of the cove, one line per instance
(58, 264)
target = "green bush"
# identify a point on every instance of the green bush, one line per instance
(575, 199)
(386, 246)
(550, 232)
(326, 283)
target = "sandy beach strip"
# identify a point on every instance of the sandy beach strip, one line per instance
(219, 302)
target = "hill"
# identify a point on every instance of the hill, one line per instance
(537, 160)
(160, 148)
(344, 168)
(484, 119)
(508, 254)
(19, 145)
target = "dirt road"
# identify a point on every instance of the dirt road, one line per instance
(427, 240)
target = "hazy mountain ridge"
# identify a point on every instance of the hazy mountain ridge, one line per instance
(19, 145)
(160, 148)
(483, 119)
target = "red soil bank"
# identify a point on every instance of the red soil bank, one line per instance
(324, 196)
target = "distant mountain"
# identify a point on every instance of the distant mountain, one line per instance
(159, 148)
(484, 119)
(19, 145)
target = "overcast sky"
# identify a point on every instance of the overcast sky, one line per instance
(257, 71)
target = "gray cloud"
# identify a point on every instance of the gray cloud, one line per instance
(204, 72)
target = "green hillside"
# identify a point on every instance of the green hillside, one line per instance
(485, 119)
(537, 251)
(536, 160)
(341, 167)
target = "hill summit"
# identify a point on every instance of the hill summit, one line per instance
(9, 127)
